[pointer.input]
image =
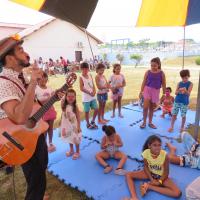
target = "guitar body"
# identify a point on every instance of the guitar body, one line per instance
(26, 139)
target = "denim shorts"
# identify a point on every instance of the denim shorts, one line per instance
(155, 176)
(179, 106)
(102, 97)
(91, 104)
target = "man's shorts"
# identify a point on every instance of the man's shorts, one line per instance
(90, 105)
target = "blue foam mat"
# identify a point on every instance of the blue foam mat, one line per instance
(129, 117)
(87, 175)
(62, 148)
(175, 171)
(190, 113)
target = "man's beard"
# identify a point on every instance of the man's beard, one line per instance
(23, 63)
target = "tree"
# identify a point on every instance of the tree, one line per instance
(143, 43)
(120, 57)
(137, 58)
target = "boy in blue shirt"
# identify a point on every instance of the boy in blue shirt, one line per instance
(183, 91)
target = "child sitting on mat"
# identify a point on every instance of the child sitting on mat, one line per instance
(110, 149)
(70, 123)
(192, 156)
(156, 169)
(167, 102)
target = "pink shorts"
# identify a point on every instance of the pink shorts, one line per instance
(167, 109)
(151, 94)
(116, 95)
(50, 114)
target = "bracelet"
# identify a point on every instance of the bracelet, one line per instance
(160, 181)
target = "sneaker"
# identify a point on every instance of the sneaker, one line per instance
(94, 125)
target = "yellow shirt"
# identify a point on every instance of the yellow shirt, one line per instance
(155, 164)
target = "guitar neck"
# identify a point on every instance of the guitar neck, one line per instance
(44, 108)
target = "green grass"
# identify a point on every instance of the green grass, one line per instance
(55, 188)
(134, 79)
(188, 62)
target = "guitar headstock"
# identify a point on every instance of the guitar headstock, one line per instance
(71, 78)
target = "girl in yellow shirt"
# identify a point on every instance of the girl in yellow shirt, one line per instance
(156, 169)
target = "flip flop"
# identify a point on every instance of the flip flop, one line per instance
(152, 126)
(143, 188)
(143, 125)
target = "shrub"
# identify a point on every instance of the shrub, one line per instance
(197, 61)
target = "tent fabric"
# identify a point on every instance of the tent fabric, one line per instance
(36, 4)
(193, 16)
(164, 13)
(77, 12)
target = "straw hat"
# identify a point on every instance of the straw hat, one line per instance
(8, 44)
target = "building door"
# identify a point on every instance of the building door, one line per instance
(78, 56)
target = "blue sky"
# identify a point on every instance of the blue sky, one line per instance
(112, 19)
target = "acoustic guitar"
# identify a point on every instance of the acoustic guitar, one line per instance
(18, 142)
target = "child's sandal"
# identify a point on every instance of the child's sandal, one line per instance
(143, 125)
(143, 188)
(76, 156)
(170, 130)
(107, 169)
(120, 172)
(94, 126)
(89, 126)
(151, 125)
(69, 153)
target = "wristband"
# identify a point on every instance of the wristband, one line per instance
(160, 181)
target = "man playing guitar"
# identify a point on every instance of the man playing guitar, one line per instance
(17, 105)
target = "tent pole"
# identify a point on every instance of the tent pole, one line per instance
(197, 117)
(183, 47)
(90, 47)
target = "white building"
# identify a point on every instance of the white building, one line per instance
(54, 38)
(7, 29)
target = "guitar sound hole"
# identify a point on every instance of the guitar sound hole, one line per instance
(30, 123)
